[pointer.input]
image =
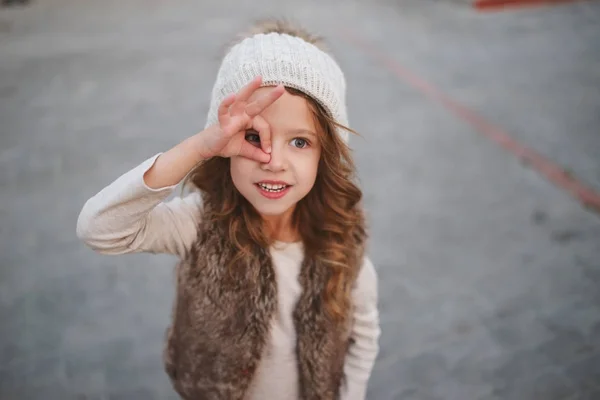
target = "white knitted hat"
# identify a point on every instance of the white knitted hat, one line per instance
(283, 59)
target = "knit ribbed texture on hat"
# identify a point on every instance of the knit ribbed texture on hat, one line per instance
(282, 59)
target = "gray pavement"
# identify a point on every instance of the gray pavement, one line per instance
(489, 274)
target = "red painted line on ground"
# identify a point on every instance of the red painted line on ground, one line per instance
(553, 172)
(498, 5)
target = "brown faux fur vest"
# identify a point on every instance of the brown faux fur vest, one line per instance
(222, 317)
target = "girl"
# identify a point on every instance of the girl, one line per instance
(275, 298)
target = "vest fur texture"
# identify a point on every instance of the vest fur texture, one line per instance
(222, 317)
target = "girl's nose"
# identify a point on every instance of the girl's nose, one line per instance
(278, 160)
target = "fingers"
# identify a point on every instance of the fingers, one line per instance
(264, 132)
(225, 104)
(257, 106)
(250, 151)
(260, 154)
(245, 92)
(235, 113)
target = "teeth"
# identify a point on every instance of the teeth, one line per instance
(272, 188)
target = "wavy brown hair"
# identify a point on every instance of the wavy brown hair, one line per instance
(329, 219)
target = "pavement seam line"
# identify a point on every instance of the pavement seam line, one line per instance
(554, 173)
(504, 5)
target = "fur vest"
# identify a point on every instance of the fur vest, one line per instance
(221, 322)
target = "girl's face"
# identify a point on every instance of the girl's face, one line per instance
(275, 187)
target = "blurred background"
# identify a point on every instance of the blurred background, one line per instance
(488, 261)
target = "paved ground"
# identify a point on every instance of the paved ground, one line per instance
(489, 274)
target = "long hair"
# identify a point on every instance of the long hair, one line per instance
(328, 219)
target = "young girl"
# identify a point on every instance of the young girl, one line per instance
(275, 297)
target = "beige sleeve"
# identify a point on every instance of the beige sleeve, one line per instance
(127, 216)
(365, 332)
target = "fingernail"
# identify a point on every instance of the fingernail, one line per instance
(269, 149)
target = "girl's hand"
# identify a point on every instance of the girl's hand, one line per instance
(237, 115)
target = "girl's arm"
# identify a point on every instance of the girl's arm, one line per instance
(130, 214)
(365, 332)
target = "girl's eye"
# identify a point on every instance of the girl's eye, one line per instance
(252, 137)
(300, 143)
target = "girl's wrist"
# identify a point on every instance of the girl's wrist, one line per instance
(200, 146)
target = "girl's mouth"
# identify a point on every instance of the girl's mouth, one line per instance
(273, 190)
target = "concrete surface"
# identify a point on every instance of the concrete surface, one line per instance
(489, 275)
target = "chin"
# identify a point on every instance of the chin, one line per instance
(271, 210)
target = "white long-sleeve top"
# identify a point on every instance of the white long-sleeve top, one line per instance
(127, 216)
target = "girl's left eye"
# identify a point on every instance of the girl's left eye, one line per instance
(300, 143)
(252, 137)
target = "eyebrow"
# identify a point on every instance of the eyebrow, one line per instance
(302, 131)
